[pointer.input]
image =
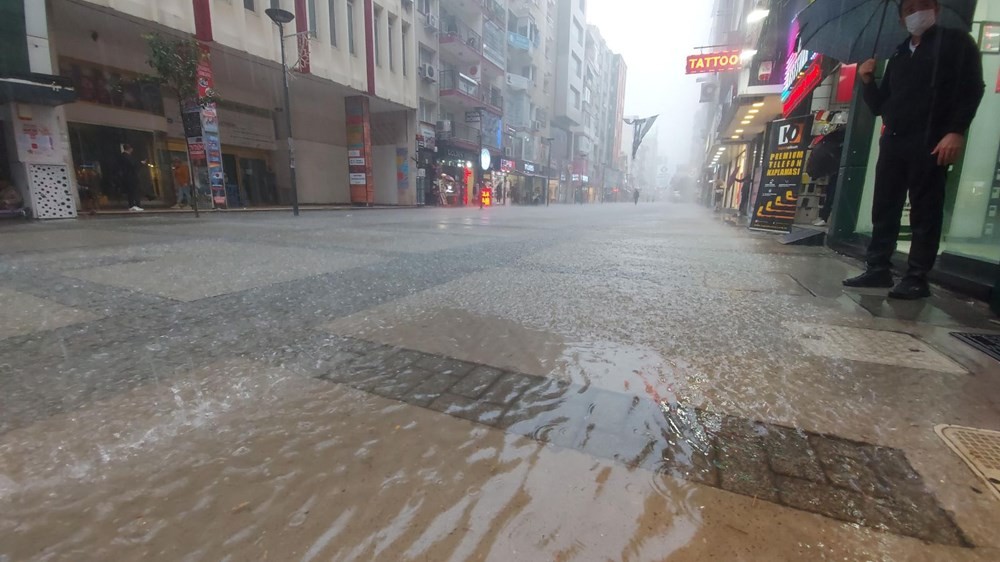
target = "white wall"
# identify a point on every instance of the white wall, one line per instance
(321, 172)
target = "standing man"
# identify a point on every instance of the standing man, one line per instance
(635, 196)
(182, 183)
(930, 92)
(128, 177)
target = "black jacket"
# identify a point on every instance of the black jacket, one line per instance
(935, 89)
(128, 170)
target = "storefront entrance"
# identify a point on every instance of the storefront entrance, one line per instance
(249, 181)
(96, 150)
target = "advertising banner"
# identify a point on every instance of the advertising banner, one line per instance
(781, 177)
(359, 150)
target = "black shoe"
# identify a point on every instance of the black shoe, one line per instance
(871, 279)
(910, 289)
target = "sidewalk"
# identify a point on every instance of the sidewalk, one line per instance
(681, 386)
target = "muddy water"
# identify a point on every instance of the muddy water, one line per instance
(237, 461)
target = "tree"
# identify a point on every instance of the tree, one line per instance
(176, 64)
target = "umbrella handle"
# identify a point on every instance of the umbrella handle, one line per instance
(881, 22)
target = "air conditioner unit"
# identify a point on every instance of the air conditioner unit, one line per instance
(431, 22)
(444, 126)
(428, 72)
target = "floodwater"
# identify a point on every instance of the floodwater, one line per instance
(618, 387)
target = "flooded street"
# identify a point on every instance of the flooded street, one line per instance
(603, 382)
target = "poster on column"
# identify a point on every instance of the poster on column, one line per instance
(359, 150)
(781, 177)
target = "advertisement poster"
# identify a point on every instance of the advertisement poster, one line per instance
(402, 170)
(781, 176)
(359, 150)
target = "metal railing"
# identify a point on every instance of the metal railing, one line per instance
(454, 29)
(450, 81)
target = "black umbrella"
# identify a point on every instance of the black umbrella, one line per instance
(856, 30)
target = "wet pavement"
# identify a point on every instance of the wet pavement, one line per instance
(566, 383)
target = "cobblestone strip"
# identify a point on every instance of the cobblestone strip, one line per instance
(837, 478)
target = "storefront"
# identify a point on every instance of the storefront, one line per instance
(457, 176)
(526, 182)
(970, 248)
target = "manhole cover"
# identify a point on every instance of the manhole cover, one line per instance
(979, 448)
(987, 343)
(872, 346)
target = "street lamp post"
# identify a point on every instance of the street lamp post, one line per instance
(280, 18)
(548, 168)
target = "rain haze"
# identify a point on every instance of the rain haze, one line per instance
(655, 38)
(378, 280)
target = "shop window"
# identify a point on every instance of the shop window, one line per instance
(112, 87)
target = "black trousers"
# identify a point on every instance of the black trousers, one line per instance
(829, 195)
(132, 193)
(906, 166)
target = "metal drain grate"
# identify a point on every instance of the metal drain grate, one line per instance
(987, 343)
(979, 448)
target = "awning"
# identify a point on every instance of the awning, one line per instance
(37, 89)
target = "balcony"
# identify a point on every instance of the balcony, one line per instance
(458, 42)
(518, 82)
(466, 92)
(495, 11)
(461, 135)
(519, 44)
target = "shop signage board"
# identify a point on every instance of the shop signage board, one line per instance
(781, 177)
(725, 61)
(359, 149)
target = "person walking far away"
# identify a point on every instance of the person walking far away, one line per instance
(635, 195)
(128, 177)
(927, 99)
(182, 183)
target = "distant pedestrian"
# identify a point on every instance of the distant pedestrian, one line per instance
(182, 183)
(928, 97)
(128, 177)
(635, 196)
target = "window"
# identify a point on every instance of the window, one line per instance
(427, 111)
(425, 56)
(249, 4)
(332, 4)
(378, 24)
(392, 31)
(406, 51)
(579, 31)
(576, 97)
(577, 65)
(350, 28)
(311, 11)
(275, 3)
(424, 6)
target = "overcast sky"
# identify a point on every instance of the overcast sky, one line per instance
(655, 37)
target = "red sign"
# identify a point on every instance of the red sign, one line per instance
(811, 78)
(845, 83)
(725, 61)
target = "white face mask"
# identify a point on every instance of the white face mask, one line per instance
(919, 22)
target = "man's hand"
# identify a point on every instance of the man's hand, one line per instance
(948, 149)
(867, 71)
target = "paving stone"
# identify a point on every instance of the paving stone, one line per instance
(846, 464)
(445, 365)
(399, 385)
(429, 390)
(790, 454)
(824, 499)
(468, 408)
(927, 522)
(742, 460)
(476, 382)
(894, 470)
(509, 388)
